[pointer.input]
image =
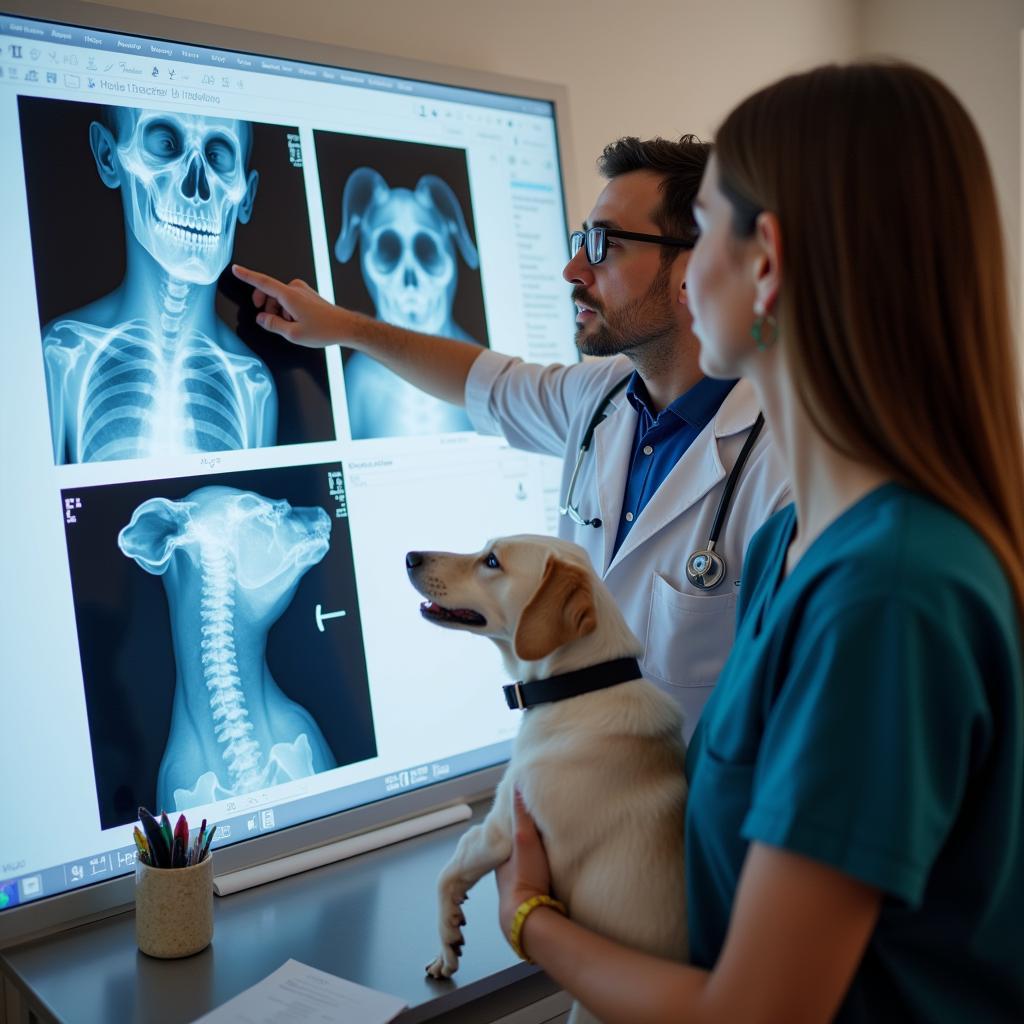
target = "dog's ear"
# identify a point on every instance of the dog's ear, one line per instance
(561, 610)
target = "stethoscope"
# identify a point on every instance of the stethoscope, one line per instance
(705, 568)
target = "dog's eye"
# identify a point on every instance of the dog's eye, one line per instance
(491, 561)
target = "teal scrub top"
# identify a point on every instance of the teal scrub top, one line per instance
(871, 716)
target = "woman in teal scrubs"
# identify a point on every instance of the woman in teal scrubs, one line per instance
(855, 828)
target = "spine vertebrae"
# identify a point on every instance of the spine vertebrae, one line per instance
(220, 667)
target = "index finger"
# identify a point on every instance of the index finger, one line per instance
(523, 818)
(264, 282)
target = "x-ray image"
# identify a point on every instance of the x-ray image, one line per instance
(219, 635)
(135, 217)
(400, 220)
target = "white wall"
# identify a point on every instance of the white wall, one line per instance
(974, 46)
(645, 67)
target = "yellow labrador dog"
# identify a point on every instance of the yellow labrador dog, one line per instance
(599, 754)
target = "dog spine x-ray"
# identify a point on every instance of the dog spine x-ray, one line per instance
(149, 370)
(407, 241)
(231, 561)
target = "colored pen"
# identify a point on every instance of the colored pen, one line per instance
(206, 845)
(165, 827)
(200, 836)
(140, 843)
(159, 851)
(181, 830)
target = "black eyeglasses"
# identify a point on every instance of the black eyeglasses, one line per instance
(597, 247)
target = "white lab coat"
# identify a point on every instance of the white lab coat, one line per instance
(686, 633)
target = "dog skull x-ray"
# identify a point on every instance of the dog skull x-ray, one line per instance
(231, 561)
(408, 241)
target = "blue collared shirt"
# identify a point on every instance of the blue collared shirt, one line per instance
(660, 440)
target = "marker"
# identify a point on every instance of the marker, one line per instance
(159, 851)
(140, 843)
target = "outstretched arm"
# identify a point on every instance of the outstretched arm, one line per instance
(798, 931)
(297, 313)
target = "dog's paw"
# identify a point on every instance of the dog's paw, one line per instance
(445, 965)
(452, 920)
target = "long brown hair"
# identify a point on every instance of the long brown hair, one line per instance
(894, 306)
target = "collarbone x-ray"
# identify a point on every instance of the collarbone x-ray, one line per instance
(150, 369)
(230, 561)
(408, 241)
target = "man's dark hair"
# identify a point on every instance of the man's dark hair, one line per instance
(681, 165)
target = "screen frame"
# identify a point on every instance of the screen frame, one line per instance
(65, 910)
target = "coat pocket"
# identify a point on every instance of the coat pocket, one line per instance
(688, 635)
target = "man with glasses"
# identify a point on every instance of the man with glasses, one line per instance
(647, 441)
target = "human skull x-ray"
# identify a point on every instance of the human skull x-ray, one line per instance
(407, 241)
(231, 561)
(150, 369)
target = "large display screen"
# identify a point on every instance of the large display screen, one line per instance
(206, 607)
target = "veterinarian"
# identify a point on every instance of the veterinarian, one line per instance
(855, 833)
(646, 493)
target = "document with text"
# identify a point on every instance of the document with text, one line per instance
(303, 995)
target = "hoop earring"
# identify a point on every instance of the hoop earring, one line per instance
(757, 331)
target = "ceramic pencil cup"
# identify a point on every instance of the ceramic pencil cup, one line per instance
(174, 909)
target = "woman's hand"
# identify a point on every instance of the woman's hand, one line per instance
(526, 872)
(296, 312)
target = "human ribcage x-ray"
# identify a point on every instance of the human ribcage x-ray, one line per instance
(230, 561)
(148, 369)
(408, 241)
(145, 393)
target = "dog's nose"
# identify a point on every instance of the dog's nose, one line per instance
(413, 560)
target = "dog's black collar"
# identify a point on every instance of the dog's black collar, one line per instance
(520, 696)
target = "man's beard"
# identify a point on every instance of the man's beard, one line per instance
(649, 318)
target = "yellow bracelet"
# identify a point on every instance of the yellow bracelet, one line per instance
(523, 911)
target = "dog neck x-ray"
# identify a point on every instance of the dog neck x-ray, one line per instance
(231, 561)
(407, 241)
(149, 369)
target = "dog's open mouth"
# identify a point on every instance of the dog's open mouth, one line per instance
(463, 616)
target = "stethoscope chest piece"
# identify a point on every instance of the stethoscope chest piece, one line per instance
(705, 569)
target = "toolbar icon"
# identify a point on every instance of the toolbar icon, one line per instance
(15, 50)
(8, 895)
(31, 886)
(73, 81)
